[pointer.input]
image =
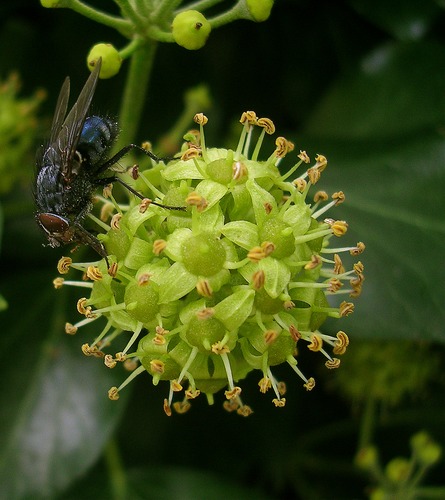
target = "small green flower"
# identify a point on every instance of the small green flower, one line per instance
(232, 284)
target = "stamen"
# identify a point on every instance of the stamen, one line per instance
(159, 246)
(204, 289)
(309, 383)
(64, 264)
(134, 337)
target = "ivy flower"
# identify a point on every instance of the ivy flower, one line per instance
(236, 282)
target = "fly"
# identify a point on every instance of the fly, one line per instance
(73, 165)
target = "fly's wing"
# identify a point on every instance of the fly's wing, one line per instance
(66, 139)
(60, 112)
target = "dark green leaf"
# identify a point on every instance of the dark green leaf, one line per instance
(390, 161)
(56, 415)
(404, 20)
(397, 90)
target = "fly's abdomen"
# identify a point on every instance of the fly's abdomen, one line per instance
(96, 138)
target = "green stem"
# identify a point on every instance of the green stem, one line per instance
(121, 25)
(200, 5)
(135, 91)
(164, 9)
(238, 11)
(129, 12)
(129, 49)
(118, 481)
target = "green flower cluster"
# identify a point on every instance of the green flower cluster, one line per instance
(401, 477)
(228, 281)
(18, 131)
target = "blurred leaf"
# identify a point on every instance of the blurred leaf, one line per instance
(185, 484)
(159, 483)
(403, 20)
(394, 189)
(58, 416)
(398, 90)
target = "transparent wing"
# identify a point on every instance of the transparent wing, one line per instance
(66, 140)
(60, 112)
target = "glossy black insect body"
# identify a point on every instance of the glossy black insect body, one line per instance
(73, 164)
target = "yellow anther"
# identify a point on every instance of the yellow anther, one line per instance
(176, 386)
(159, 246)
(339, 197)
(115, 221)
(265, 384)
(320, 196)
(58, 283)
(258, 279)
(360, 248)
(300, 184)
(346, 308)
(204, 289)
(63, 266)
(192, 393)
(310, 384)
(113, 394)
(167, 409)
(190, 153)
(267, 124)
(316, 343)
(270, 336)
(157, 366)
(304, 157)
(70, 329)
(321, 162)
(233, 393)
(244, 411)
(332, 363)
(94, 273)
(338, 265)
(248, 117)
(200, 119)
(206, 313)
(239, 170)
(339, 227)
(144, 204)
(279, 403)
(109, 361)
(334, 285)
(283, 146)
(181, 407)
(294, 333)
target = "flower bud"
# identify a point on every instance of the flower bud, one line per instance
(190, 29)
(260, 9)
(111, 59)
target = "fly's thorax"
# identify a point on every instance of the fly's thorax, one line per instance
(97, 136)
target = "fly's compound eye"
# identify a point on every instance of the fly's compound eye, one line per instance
(53, 224)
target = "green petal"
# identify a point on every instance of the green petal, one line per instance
(176, 282)
(235, 309)
(242, 233)
(277, 276)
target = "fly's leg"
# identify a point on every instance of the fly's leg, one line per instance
(81, 235)
(114, 159)
(109, 180)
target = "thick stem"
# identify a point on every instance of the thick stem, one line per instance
(135, 92)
